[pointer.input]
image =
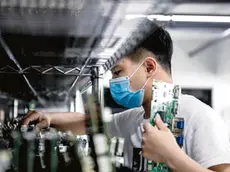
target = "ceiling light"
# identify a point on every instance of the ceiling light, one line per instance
(183, 18)
(203, 19)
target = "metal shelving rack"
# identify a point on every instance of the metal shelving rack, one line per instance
(87, 72)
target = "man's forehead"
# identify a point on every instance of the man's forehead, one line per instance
(118, 64)
(115, 67)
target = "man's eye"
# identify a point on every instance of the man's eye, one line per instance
(116, 72)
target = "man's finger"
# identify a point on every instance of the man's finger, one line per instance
(148, 127)
(42, 124)
(31, 118)
(29, 113)
(159, 123)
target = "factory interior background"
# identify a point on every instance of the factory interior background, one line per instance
(51, 54)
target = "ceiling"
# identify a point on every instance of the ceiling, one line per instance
(48, 51)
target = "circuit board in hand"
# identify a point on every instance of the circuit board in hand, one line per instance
(165, 102)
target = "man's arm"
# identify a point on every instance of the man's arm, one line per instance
(183, 163)
(159, 145)
(68, 121)
(75, 122)
(71, 121)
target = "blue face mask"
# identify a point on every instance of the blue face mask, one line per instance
(119, 89)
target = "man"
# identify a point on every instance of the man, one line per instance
(206, 146)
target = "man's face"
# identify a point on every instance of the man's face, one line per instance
(126, 67)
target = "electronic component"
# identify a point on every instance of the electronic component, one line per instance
(117, 151)
(50, 150)
(26, 159)
(100, 136)
(17, 141)
(165, 102)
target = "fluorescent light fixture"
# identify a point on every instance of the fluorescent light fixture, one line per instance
(203, 19)
(159, 17)
(183, 18)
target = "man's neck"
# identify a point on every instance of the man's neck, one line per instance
(147, 108)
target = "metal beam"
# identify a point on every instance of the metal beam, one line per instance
(53, 70)
(224, 35)
(97, 84)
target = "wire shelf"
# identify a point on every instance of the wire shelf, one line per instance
(42, 70)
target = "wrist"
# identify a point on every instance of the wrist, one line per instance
(175, 158)
(50, 118)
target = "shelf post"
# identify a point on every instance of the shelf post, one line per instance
(97, 84)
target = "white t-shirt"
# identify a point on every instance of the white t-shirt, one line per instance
(205, 134)
(226, 117)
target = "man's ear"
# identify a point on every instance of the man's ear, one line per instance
(150, 66)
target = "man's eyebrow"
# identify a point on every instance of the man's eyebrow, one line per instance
(114, 68)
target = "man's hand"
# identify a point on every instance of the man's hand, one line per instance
(43, 120)
(159, 144)
(63, 121)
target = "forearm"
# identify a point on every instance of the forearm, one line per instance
(69, 121)
(183, 163)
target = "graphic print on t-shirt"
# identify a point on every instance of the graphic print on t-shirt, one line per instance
(139, 162)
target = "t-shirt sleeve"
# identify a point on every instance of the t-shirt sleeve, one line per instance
(114, 125)
(123, 124)
(210, 145)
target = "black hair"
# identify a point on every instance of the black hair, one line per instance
(160, 44)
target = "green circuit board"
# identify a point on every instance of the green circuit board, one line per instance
(165, 102)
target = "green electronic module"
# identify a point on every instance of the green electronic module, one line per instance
(165, 102)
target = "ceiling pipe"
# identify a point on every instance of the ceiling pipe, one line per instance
(224, 35)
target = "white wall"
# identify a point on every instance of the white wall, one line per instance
(196, 73)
